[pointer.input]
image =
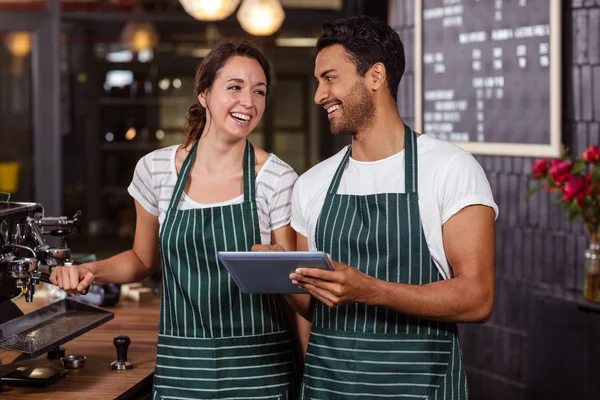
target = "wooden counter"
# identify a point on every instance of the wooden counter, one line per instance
(97, 380)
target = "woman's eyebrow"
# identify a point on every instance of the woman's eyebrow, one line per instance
(240, 80)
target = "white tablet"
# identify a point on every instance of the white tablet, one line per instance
(269, 271)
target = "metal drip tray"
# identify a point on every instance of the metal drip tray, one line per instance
(42, 330)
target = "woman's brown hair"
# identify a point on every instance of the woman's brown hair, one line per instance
(207, 73)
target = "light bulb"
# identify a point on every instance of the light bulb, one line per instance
(209, 10)
(261, 17)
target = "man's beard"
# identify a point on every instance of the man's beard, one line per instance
(357, 111)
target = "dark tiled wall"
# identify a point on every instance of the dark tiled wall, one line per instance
(537, 250)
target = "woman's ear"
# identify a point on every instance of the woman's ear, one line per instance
(202, 99)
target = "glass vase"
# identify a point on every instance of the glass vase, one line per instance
(591, 286)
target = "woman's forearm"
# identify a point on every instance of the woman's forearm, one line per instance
(302, 304)
(125, 267)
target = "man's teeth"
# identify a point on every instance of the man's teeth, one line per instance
(241, 116)
(332, 108)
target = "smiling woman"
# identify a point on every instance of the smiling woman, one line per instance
(216, 192)
(232, 75)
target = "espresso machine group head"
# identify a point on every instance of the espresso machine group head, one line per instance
(26, 258)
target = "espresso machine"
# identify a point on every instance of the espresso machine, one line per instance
(26, 258)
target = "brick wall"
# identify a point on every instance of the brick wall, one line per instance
(537, 250)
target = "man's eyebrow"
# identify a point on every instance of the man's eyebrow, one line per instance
(326, 72)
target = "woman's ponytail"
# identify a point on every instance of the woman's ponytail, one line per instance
(194, 125)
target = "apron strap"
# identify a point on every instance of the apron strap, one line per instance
(337, 178)
(249, 175)
(183, 177)
(410, 160)
(410, 165)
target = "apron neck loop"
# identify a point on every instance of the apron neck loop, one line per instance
(183, 177)
(249, 176)
(410, 160)
(410, 164)
(335, 182)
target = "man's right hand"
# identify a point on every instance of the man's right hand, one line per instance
(74, 279)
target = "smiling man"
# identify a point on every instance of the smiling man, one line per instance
(408, 221)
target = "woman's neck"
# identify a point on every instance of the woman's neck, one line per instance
(218, 156)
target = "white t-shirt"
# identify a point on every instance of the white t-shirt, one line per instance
(449, 180)
(155, 177)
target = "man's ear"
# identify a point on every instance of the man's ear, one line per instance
(376, 76)
(202, 99)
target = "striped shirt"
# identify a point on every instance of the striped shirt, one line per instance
(155, 176)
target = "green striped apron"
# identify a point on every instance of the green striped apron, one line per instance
(361, 351)
(214, 341)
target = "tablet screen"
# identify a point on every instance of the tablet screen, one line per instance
(268, 272)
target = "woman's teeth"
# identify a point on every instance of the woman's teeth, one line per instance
(241, 117)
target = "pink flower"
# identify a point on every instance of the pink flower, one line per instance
(576, 187)
(560, 170)
(540, 167)
(591, 154)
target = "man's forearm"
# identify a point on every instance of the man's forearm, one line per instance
(458, 299)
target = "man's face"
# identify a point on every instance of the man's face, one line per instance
(342, 92)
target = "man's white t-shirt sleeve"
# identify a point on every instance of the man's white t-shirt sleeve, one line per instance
(142, 187)
(464, 183)
(281, 202)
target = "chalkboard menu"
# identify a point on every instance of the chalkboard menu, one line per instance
(488, 74)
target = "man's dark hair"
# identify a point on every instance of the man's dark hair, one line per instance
(367, 40)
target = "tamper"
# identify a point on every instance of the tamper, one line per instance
(121, 343)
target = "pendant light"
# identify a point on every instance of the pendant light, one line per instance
(19, 45)
(140, 35)
(209, 10)
(261, 17)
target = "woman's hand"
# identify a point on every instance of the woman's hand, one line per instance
(74, 279)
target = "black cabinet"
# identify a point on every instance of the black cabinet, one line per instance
(564, 349)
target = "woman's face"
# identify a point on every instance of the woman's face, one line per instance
(236, 100)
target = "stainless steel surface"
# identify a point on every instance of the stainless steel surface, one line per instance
(25, 256)
(20, 268)
(73, 362)
(121, 365)
(53, 257)
(10, 209)
(61, 222)
(47, 328)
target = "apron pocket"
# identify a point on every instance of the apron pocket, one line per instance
(155, 395)
(237, 367)
(342, 365)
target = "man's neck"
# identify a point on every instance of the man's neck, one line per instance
(383, 138)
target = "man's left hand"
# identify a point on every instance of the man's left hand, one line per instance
(344, 285)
